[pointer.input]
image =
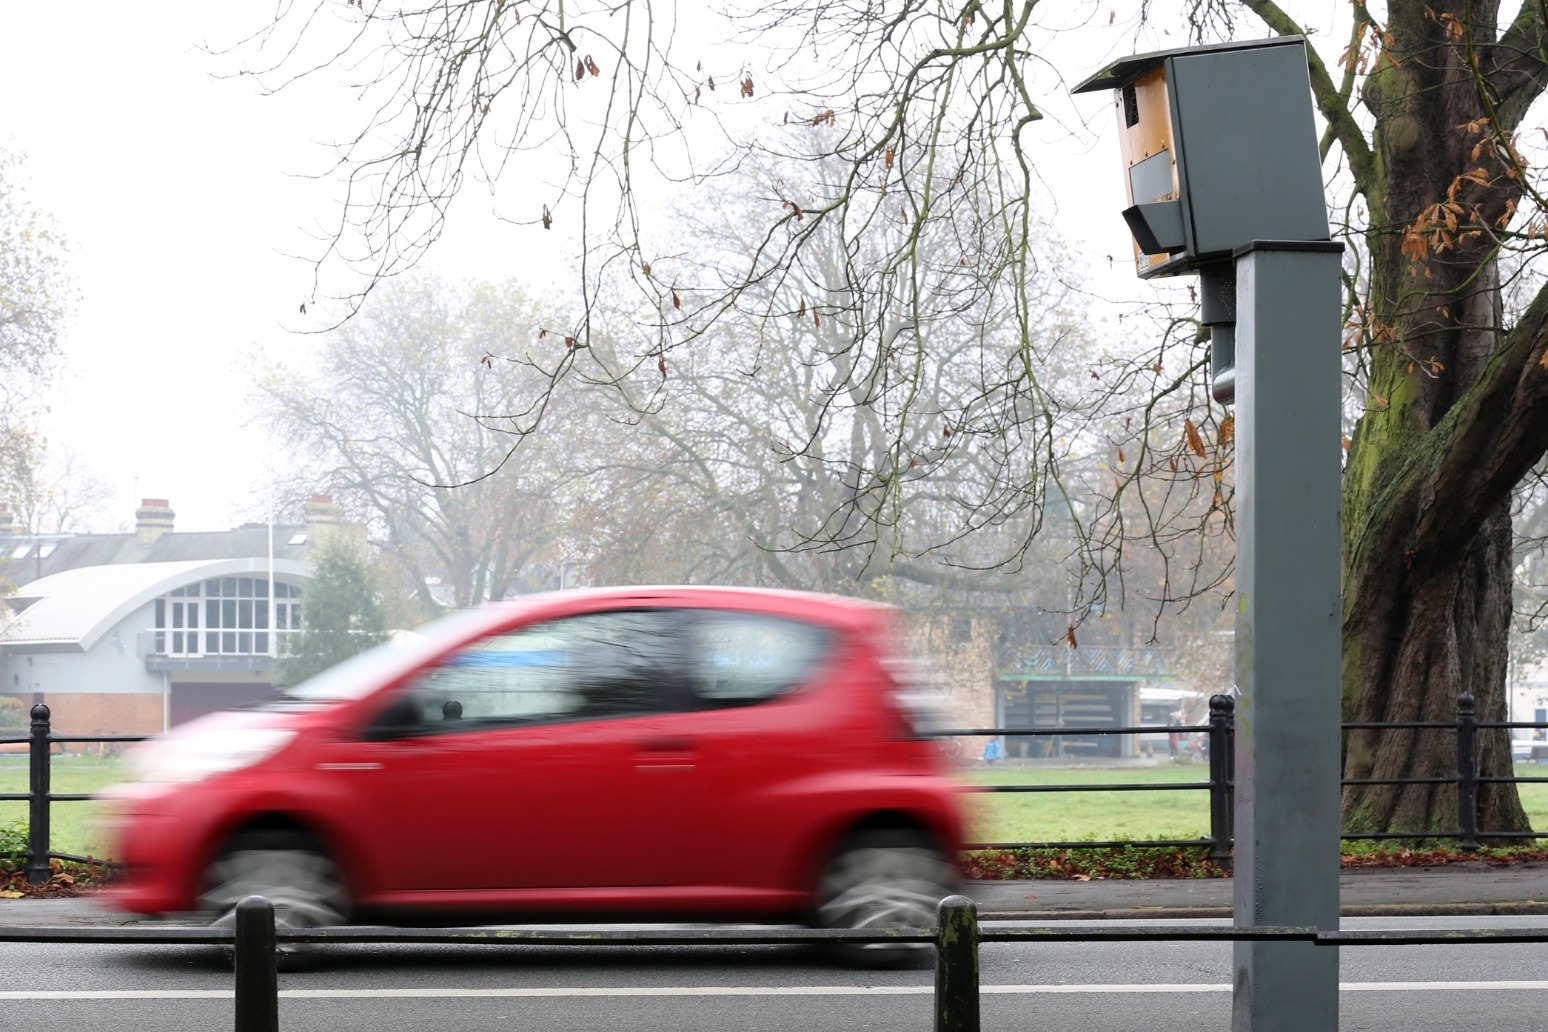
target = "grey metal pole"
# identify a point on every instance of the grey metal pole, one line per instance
(39, 871)
(956, 966)
(257, 967)
(1287, 630)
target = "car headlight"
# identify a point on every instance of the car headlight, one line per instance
(192, 758)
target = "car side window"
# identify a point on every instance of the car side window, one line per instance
(599, 665)
(745, 658)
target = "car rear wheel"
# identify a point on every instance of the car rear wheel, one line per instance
(289, 869)
(880, 880)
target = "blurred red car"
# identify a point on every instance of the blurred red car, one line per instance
(618, 754)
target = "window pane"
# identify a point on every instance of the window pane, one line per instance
(628, 662)
(245, 613)
(228, 642)
(745, 657)
(211, 613)
(261, 588)
(604, 665)
(228, 613)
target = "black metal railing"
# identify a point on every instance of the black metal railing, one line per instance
(1219, 734)
(956, 940)
(1220, 754)
(40, 797)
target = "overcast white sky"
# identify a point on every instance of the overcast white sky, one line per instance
(180, 197)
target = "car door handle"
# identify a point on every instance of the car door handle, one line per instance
(349, 766)
(666, 743)
(664, 752)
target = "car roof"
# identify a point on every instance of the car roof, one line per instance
(834, 609)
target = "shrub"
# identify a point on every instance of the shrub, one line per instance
(13, 840)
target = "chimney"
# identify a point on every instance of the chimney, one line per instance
(321, 512)
(152, 519)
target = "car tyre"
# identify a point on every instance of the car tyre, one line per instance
(884, 879)
(290, 870)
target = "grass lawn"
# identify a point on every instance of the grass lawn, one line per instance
(73, 826)
(1179, 814)
(997, 817)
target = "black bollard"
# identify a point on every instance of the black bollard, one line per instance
(257, 977)
(39, 870)
(956, 966)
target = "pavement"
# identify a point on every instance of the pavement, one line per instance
(1471, 888)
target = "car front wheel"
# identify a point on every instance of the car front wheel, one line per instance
(290, 870)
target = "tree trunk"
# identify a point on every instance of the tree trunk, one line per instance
(1427, 531)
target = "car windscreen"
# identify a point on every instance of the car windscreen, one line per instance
(360, 675)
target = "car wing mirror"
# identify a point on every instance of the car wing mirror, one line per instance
(399, 720)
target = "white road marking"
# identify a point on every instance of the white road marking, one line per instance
(792, 990)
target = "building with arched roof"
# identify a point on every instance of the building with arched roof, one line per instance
(131, 633)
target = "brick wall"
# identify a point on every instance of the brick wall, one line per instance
(92, 713)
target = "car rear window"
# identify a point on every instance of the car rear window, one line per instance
(743, 658)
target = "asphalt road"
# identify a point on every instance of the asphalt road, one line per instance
(1048, 986)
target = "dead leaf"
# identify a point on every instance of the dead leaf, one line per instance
(1195, 442)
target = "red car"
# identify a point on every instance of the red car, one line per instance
(618, 754)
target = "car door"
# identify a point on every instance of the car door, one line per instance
(541, 757)
(760, 727)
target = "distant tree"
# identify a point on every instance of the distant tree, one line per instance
(385, 422)
(35, 296)
(341, 610)
(57, 492)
